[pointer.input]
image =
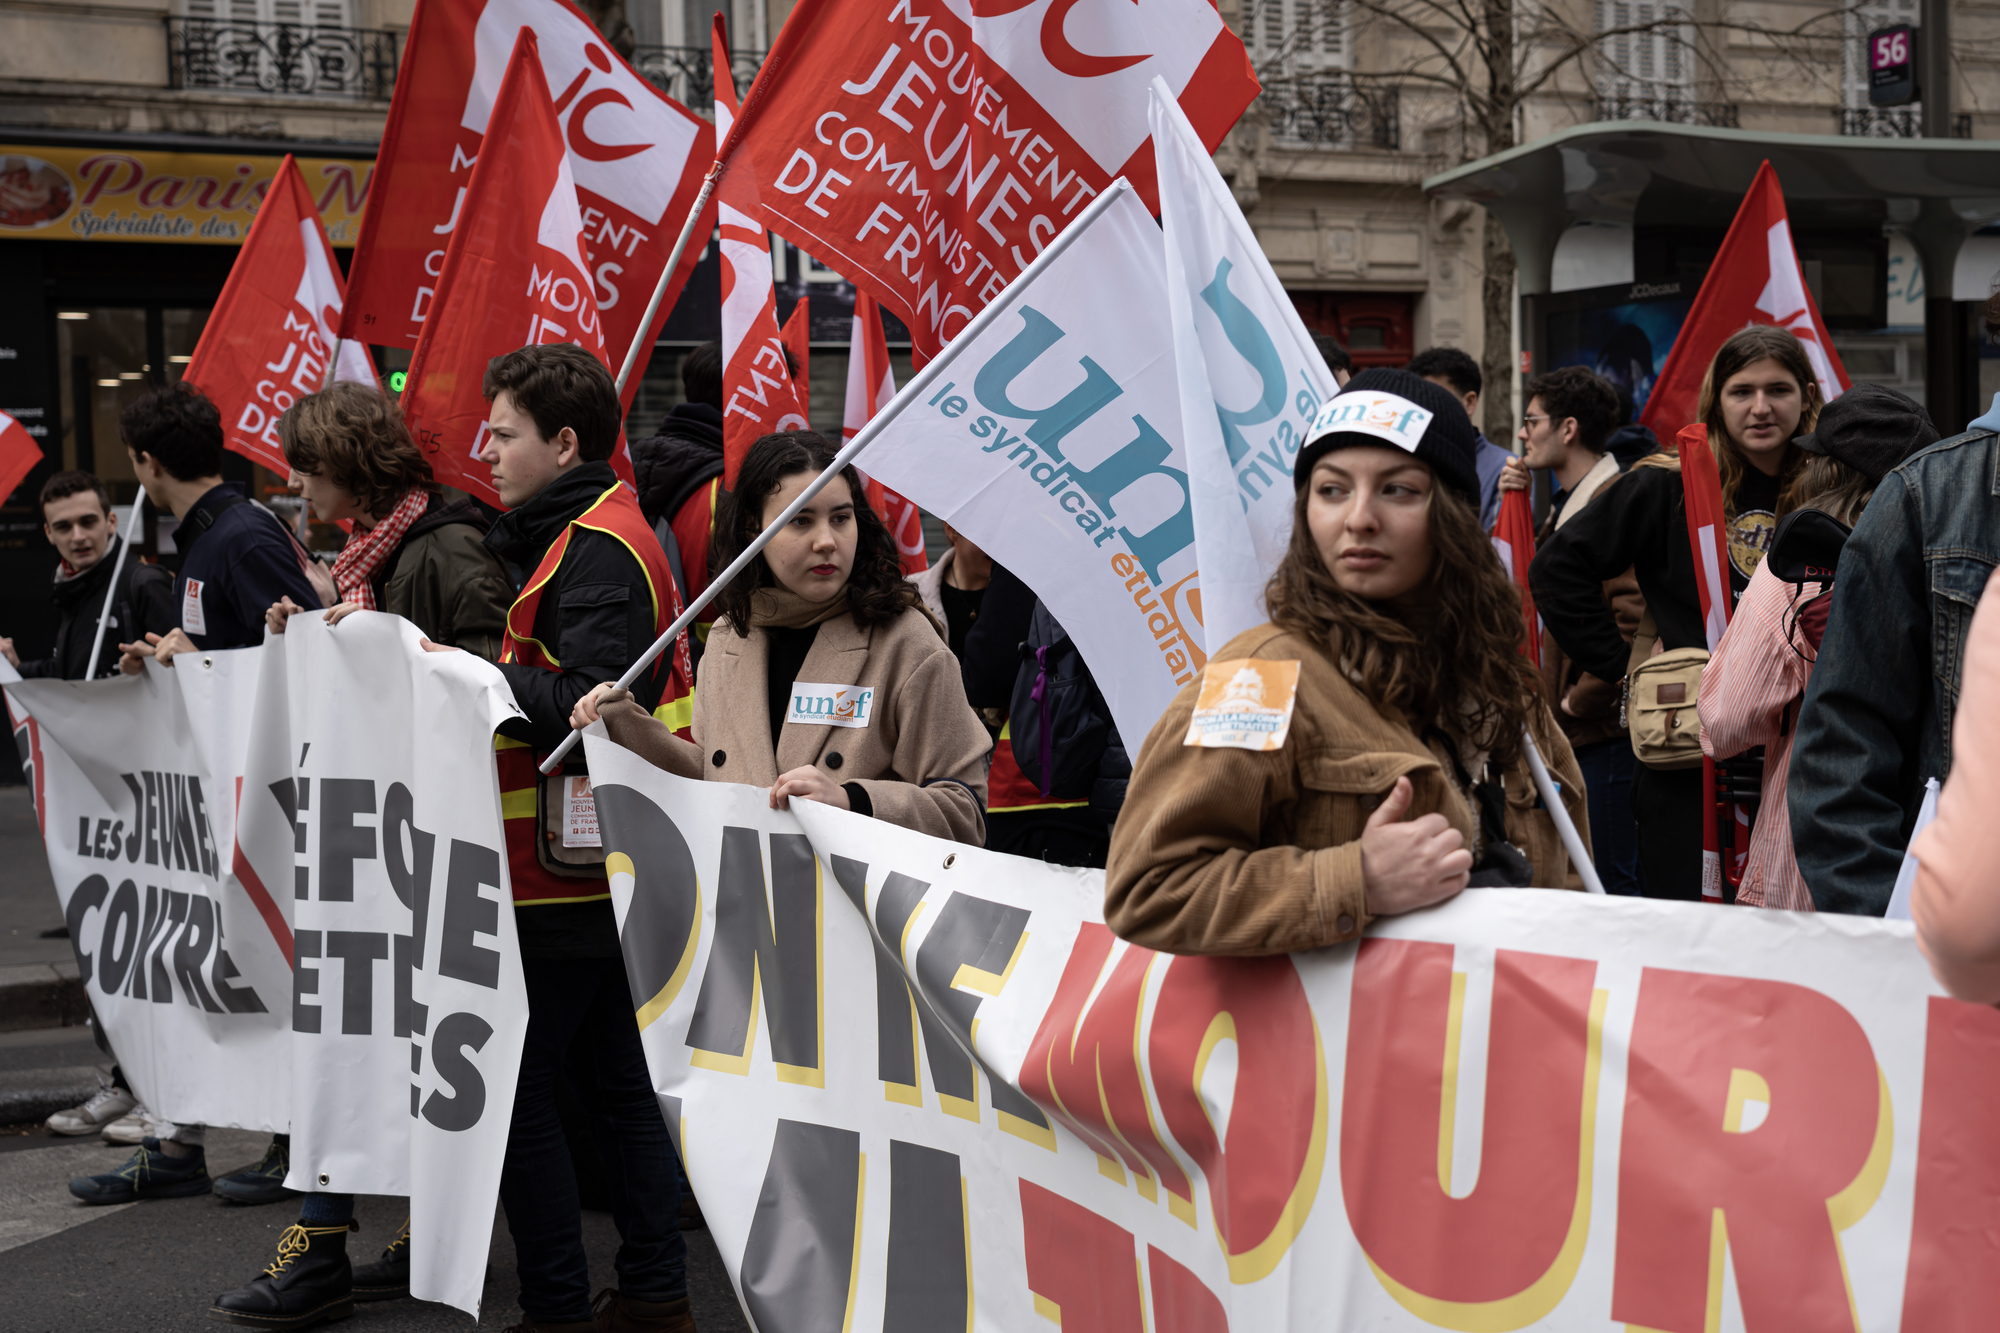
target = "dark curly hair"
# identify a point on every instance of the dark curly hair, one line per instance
(1458, 660)
(179, 427)
(355, 435)
(877, 592)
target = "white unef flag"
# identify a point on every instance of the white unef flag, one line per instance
(1250, 377)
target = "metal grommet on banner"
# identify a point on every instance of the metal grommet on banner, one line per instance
(324, 1180)
(949, 858)
(207, 662)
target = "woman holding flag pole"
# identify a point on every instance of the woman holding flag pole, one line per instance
(1360, 755)
(1715, 501)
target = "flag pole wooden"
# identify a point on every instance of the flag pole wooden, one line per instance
(919, 383)
(645, 333)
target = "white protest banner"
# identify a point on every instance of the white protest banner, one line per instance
(919, 1085)
(1251, 378)
(1052, 440)
(283, 872)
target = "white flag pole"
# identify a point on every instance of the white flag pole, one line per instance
(1565, 827)
(641, 338)
(111, 589)
(919, 382)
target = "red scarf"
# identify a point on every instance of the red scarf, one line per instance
(354, 570)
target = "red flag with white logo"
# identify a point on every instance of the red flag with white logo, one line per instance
(515, 274)
(1514, 540)
(796, 334)
(929, 155)
(871, 383)
(1755, 279)
(1708, 534)
(636, 155)
(270, 339)
(758, 396)
(19, 452)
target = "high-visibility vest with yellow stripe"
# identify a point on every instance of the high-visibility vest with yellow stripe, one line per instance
(1008, 789)
(616, 514)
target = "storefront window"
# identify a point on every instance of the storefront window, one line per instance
(107, 357)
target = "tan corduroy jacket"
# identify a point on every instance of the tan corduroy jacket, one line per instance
(922, 757)
(1228, 851)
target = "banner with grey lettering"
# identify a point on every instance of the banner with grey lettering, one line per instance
(919, 1086)
(286, 884)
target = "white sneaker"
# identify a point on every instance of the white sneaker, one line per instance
(105, 1106)
(132, 1127)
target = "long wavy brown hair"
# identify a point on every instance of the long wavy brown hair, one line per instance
(1457, 660)
(1742, 349)
(877, 592)
(355, 435)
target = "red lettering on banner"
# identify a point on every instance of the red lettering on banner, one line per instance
(1181, 1303)
(1084, 1068)
(1953, 1283)
(1084, 1275)
(1700, 1172)
(1504, 1254)
(1263, 1174)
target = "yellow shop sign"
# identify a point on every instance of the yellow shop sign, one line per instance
(107, 194)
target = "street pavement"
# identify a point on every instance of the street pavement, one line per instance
(154, 1266)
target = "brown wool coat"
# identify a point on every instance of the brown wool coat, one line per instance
(1225, 851)
(922, 758)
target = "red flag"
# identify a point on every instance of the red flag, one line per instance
(19, 452)
(1514, 539)
(1708, 533)
(514, 274)
(930, 158)
(270, 340)
(871, 383)
(1755, 279)
(637, 157)
(758, 396)
(797, 337)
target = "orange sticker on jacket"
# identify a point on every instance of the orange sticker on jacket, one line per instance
(1244, 704)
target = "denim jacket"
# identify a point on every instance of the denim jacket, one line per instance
(1876, 721)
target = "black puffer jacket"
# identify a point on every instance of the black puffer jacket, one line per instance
(672, 465)
(144, 604)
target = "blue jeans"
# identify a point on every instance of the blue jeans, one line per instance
(580, 1022)
(1614, 834)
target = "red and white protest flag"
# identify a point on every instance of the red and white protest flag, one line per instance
(1755, 279)
(758, 396)
(871, 383)
(929, 154)
(1514, 541)
(271, 338)
(636, 155)
(515, 274)
(1708, 533)
(19, 452)
(796, 334)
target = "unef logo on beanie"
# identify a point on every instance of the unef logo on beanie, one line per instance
(1386, 416)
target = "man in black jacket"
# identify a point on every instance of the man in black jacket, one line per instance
(78, 521)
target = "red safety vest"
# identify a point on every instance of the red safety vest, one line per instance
(615, 513)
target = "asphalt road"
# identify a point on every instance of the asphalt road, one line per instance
(154, 1266)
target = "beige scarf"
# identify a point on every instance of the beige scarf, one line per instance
(781, 608)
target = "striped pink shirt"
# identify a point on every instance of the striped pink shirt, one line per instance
(1749, 692)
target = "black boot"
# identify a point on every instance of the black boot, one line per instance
(308, 1283)
(388, 1278)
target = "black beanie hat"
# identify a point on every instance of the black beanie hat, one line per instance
(1393, 407)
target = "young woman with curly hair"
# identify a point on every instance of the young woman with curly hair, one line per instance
(1360, 755)
(821, 625)
(1759, 394)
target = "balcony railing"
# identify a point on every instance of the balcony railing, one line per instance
(1332, 111)
(291, 59)
(1895, 122)
(1668, 110)
(687, 73)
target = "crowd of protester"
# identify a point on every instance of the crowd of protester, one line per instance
(1858, 662)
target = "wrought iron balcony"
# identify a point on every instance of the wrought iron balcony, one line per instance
(1895, 122)
(687, 73)
(287, 59)
(1667, 110)
(1332, 111)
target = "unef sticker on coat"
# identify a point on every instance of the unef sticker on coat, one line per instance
(192, 619)
(831, 705)
(1244, 704)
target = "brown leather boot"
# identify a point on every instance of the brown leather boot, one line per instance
(618, 1313)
